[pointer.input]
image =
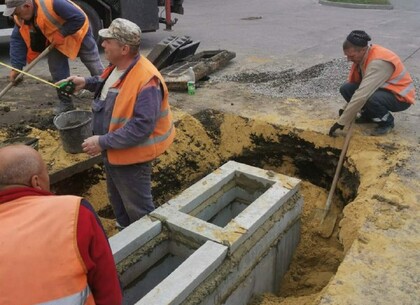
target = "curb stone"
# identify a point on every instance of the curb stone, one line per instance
(354, 5)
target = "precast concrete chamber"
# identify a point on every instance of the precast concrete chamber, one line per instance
(228, 237)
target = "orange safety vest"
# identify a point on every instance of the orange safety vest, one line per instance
(163, 134)
(49, 22)
(24, 32)
(400, 82)
(40, 259)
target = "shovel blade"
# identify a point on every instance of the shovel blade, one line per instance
(327, 220)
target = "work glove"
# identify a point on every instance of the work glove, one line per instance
(334, 128)
(12, 77)
(340, 112)
(57, 39)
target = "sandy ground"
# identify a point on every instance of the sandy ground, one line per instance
(207, 141)
(384, 205)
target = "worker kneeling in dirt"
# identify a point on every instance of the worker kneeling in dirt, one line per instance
(132, 120)
(378, 83)
(53, 248)
(60, 23)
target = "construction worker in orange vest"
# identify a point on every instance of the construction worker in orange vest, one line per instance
(60, 23)
(378, 84)
(132, 121)
(53, 248)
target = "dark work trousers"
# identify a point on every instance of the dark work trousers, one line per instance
(378, 106)
(129, 191)
(58, 63)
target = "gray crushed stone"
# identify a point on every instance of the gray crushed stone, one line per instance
(319, 81)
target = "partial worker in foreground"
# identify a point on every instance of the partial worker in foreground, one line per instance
(132, 121)
(378, 84)
(60, 23)
(53, 248)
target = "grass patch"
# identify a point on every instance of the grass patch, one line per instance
(362, 1)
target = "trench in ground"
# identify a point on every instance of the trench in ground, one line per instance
(317, 258)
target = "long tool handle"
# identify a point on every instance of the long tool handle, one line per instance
(337, 171)
(27, 68)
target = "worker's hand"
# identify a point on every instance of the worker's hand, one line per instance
(77, 80)
(57, 39)
(334, 128)
(91, 146)
(340, 112)
(12, 77)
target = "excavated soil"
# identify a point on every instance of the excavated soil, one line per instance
(282, 130)
(209, 138)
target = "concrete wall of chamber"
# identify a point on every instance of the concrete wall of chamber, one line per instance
(223, 240)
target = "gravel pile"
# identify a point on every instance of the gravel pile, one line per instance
(322, 80)
(319, 81)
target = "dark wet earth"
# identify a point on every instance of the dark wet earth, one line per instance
(30, 104)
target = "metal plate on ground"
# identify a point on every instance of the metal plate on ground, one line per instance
(164, 52)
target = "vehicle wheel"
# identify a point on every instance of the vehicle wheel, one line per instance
(94, 19)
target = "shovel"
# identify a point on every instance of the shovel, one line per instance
(329, 219)
(27, 68)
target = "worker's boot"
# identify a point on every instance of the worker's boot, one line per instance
(385, 125)
(383, 129)
(119, 227)
(63, 106)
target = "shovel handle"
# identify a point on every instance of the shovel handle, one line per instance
(7, 88)
(27, 68)
(338, 170)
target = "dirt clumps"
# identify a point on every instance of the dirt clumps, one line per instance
(371, 187)
(198, 150)
(270, 299)
(316, 259)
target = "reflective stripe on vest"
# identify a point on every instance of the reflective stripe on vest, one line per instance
(49, 22)
(157, 139)
(398, 78)
(407, 91)
(47, 14)
(122, 121)
(75, 299)
(400, 82)
(39, 244)
(163, 134)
